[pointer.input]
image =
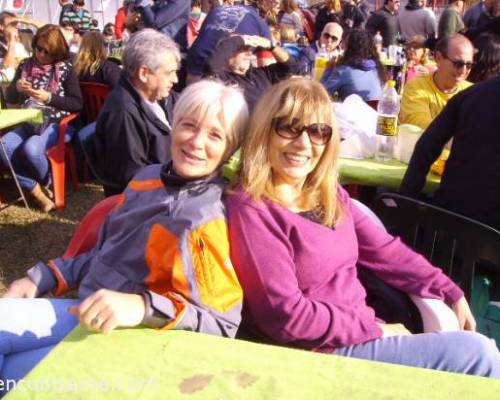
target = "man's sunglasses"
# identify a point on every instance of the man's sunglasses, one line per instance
(459, 64)
(319, 134)
(328, 36)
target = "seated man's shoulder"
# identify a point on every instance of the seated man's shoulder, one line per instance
(422, 83)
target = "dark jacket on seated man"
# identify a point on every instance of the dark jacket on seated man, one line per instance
(129, 136)
(470, 183)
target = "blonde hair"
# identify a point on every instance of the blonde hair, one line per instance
(208, 99)
(287, 35)
(302, 100)
(91, 54)
(334, 5)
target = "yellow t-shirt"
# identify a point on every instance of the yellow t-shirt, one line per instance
(423, 101)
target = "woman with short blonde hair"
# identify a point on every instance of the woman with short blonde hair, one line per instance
(298, 241)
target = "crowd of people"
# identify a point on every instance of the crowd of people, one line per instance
(274, 256)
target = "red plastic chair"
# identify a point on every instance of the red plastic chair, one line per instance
(87, 233)
(94, 95)
(57, 156)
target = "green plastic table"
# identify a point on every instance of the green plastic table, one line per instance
(148, 364)
(368, 172)
(10, 117)
(389, 174)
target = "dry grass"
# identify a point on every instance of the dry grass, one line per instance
(26, 237)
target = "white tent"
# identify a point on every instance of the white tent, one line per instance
(48, 10)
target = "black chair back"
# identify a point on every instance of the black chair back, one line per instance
(453, 242)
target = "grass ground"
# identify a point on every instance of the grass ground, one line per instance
(29, 236)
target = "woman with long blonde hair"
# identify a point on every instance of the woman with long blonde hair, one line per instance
(91, 63)
(297, 241)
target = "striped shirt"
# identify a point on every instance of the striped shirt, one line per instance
(82, 19)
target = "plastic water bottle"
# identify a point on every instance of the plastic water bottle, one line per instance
(387, 122)
(320, 63)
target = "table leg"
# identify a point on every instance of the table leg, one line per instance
(11, 168)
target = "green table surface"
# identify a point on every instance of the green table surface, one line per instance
(10, 116)
(371, 172)
(149, 364)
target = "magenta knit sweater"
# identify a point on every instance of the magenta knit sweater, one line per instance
(299, 278)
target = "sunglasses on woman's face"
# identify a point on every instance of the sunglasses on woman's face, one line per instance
(319, 134)
(40, 49)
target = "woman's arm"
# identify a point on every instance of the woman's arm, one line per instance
(72, 100)
(395, 263)
(12, 95)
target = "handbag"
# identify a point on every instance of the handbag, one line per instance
(38, 128)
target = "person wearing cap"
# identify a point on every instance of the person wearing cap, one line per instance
(451, 21)
(425, 96)
(330, 38)
(223, 20)
(231, 62)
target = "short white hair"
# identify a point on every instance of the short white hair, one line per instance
(146, 47)
(208, 99)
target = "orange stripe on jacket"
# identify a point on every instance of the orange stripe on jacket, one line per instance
(217, 282)
(166, 271)
(146, 184)
(62, 286)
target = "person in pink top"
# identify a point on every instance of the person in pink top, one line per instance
(297, 240)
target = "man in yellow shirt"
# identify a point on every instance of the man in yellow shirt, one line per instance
(425, 96)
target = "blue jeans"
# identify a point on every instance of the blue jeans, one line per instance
(463, 352)
(26, 152)
(29, 329)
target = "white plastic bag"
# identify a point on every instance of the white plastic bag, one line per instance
(357, 124)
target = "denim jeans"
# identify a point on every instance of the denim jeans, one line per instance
(463, 352)
(29, 329)
(26, 152)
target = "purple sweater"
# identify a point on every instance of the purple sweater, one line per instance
(299, 278)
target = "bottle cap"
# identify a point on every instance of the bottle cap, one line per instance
(391, 83)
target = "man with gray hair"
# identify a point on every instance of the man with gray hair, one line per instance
(133, 128)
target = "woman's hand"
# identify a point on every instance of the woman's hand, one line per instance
(23, 86)
(40, 95)
(393, 330)
(21, 288)
(106, 310)
(464, 315)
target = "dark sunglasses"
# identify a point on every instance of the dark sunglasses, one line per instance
(40, 49)
(459, 64)
(328, 36)
(319, 134)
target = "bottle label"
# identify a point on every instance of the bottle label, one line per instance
(387, 125)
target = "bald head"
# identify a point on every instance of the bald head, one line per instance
(454, 57)
(450, 43)
(331, 36)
